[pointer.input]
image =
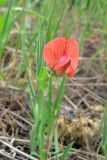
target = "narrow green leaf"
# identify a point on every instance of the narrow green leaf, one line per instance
(104, 132)
(41, 141)
(34, 137)
(56, 144)
(50, 93)
(59, 94)
(25, 59)
(66, 151)
(40, 42)
(29, 11)
(2, 19)
(6, 28)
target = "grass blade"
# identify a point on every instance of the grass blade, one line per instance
(56, 143)
(66, 151)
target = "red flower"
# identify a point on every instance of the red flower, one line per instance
(61, 55)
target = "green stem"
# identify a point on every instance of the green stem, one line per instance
(56, 143)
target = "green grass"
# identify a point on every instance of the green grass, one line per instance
(104, 132)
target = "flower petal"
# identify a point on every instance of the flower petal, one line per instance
(70, 71)
(61, 68)
(63, 63)
(72, 49)
(49, 56)
(53, 50)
